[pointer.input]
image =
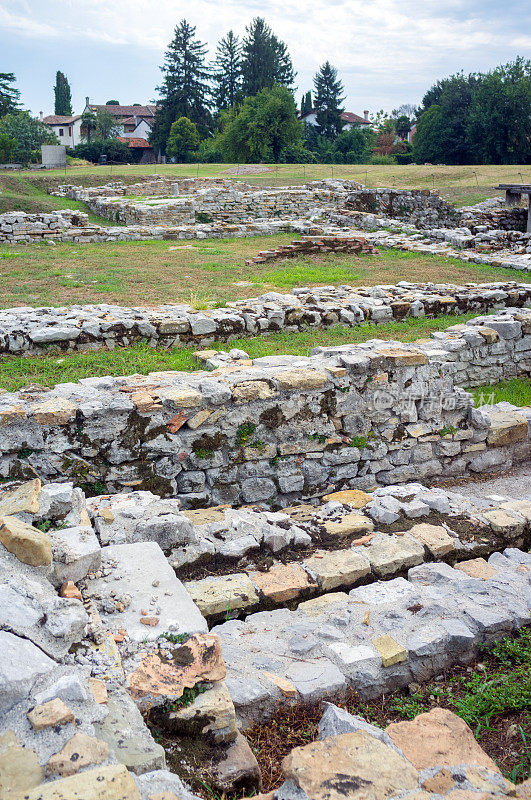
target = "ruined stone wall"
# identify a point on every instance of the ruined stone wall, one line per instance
(19, 226)
(82, 328)
(421, 207)
(280, 428)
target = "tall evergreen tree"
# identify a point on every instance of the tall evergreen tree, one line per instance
(265, 60)
(328, 99)
(227, 72)
(9, 95)
(184, 91)
(63, 95)
(306, 103)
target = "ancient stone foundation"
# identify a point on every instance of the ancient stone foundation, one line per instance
(280, 428)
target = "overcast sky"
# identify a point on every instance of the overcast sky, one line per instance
(388, 52)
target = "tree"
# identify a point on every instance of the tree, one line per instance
(427, 144)
(116, 151)
(265, 125)
(9, 95)
(328, 99)
(499, 119)
(265, 59)
(453, 96)
(306, 103)
(353, 146)
(7, 148)
(105, 125)
(184, 91)
(183, 139)
(402, 126)
(88, 124)
(63, 95)
(28, 133)
(227, 72)
(113, 103)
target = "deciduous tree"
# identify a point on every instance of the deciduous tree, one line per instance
(183, 139)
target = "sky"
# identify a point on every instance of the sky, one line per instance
(387, 52)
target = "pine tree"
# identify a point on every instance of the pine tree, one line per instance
(184, 91)
(265, 59)
(328, 99)
(63, 95)
(227, 72)
(9, 96)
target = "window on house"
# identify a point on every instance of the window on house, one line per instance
(60, 131)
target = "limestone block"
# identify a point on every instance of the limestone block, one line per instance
(222, 594)
(438, 738)
(54, 712)
(388, 554)
(316, 678)
(506, 427)
(247, 391)
(318, 605)
(506, 522)
(437, 540)
(19, 767)
(353, 765)
(23, 498)
(336, 568)
(28, 544)
(300, 379)
(390, 651)
(20, 666)
(477, 568)
(80, 751)
(351, 497)
(76, 552)
(54, 411)
(211, 715)
(102, 783)
(349, 525)
(282, 582)
(132, 569)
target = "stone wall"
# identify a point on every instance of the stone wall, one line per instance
(281, 428)
(81, 328)
(422, 207)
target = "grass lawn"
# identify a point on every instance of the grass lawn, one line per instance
(516, 391)
(206, 271)
(49, 369)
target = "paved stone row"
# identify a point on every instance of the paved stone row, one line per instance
(281, 428)
(311, 246)
(82, 328)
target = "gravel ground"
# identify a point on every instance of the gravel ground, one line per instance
(514, 484)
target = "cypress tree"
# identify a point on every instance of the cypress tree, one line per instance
(184, 91)
(63, 95)
(328, 99)
(227, 72)
(265, 59)
(306, 103)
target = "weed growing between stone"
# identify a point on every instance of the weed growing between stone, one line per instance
(493, 696)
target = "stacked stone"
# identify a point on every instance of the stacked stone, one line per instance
(420, 207)
(311, 246)
(280, 428)
(85, 328)
(18, 226)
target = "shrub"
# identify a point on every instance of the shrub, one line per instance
(375, 159)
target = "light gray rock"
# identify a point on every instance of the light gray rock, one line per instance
(76, 552)
(162, 781)
(139, 576)
(336, 721)
(128, 736)
(313, 680)
(20, 666)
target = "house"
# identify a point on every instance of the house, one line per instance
(412, 132)
(67, 129)
(143, 153)
(349, 119)
(133, 121)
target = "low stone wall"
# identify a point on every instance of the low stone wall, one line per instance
(422, 207)
(281, 428)
(19, 226)
(82, 328)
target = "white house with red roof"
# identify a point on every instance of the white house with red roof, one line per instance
(67, 129)
(133, 121)
(350, 120)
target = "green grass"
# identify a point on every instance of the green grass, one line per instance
(516, 391)
(203, 272)
(50, 368)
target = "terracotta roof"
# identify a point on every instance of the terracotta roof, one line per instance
(131, 120)
(125, 111)
(346, 116)
(134, 141)
(57, 119)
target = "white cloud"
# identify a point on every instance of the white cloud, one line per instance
(387, 51)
